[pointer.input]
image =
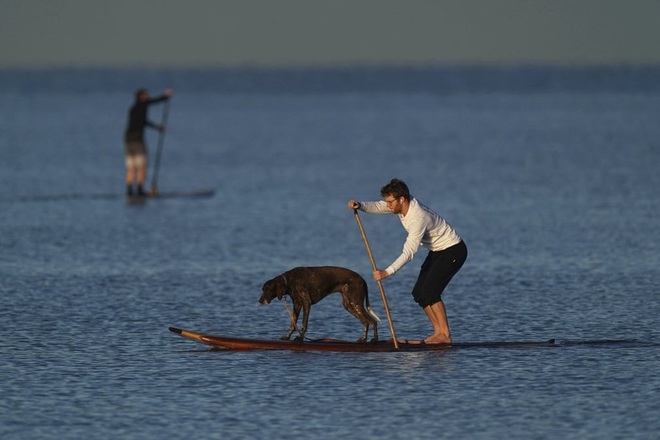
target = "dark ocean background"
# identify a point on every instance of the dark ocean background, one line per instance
(549, 174)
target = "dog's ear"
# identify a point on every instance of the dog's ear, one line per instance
(280, 289)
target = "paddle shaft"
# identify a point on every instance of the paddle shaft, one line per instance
(380, 284)
(159, 149)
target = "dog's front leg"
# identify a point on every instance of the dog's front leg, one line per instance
(306, 308)
(289, 333)
(294, 320)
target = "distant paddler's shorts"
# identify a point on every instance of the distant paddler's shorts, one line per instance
(136, 154)
(437, 271)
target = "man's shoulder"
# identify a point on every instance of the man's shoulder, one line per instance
(417, 207)
(421, 211)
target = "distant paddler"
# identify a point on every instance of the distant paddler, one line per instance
(134, 145)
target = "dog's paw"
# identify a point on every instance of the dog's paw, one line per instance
(284, 338)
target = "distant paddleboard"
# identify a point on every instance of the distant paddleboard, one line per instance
(201, 193)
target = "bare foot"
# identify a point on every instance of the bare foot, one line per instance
(438, 339)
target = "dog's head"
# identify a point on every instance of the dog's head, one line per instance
(271, 289)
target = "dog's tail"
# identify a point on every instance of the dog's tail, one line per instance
(366, 300)
(372, 313)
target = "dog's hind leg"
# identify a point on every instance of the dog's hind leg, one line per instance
(374, 325)
(358, 311)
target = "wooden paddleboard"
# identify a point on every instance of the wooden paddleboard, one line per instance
(246, 344)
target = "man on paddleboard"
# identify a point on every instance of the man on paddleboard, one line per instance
(447, 251)
(134, 147)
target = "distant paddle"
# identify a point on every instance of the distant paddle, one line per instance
(153, 191)
(380, 284)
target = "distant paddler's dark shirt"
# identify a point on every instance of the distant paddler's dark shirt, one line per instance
(137, 119)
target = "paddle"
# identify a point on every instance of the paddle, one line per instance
(380, 284)
(161, 139)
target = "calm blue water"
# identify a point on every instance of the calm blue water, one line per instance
(550, 175)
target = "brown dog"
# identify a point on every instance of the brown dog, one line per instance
(309, 285)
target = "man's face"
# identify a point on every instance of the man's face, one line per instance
(394, 203)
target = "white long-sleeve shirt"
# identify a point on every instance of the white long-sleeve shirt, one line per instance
(425, 228)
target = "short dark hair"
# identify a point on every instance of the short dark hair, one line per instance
(396, 188)
(140, 92)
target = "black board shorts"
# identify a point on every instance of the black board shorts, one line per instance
(438, 269)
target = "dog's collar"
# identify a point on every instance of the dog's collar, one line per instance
(284, 278)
